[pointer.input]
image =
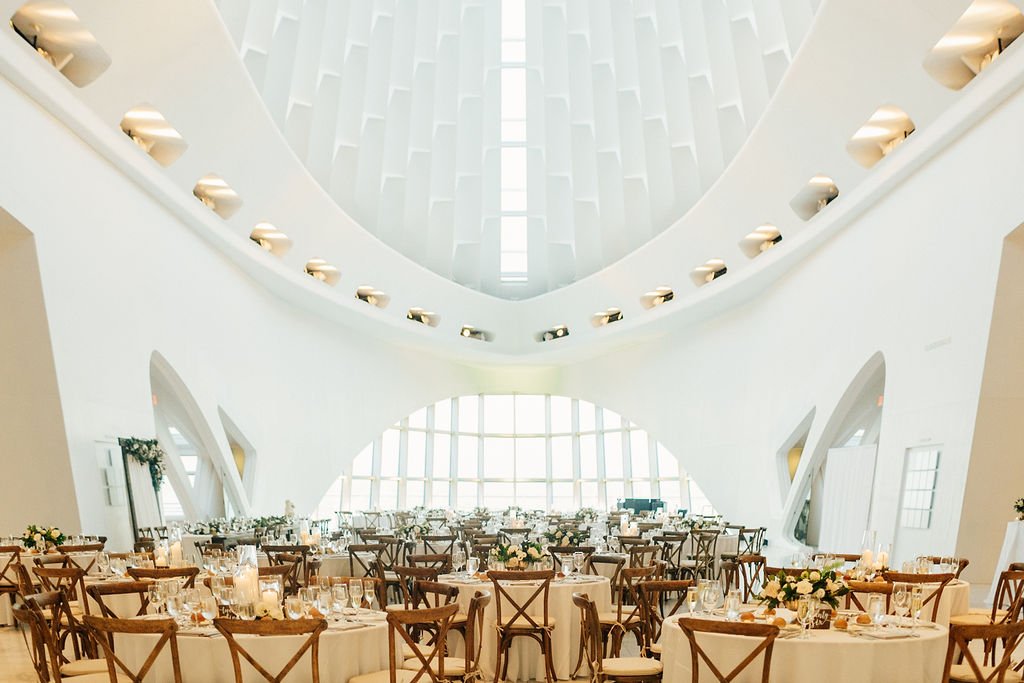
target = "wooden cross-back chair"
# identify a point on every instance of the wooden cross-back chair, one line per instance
(627, 618)
(643, 555)
(408, 577)
(960, 637)
(612, 566)
(64, 629)
(481, 551)
(390, 556)
(426, 662)
(860, 589)
(68, 580)
(729, 573)
(51, 560)
(751, 575)
(762, 635)
(440, 544)
(360, 566)
(939, 580)
(466, 668)
(428, 594)
(772, 572)
(372, 519)
(1009, 590)
(312, 628)
(627, 542)
(10, 557)
(103, 629)
(439, 561)
(654, 597)
(671, 553)
(99, 591)
(82, 556)
(44, 647)
(189, 574)
(628, 669)
(273, 553)
(749, 542)
(522, 624)
(702, 560)
(560, 553)
(35, 634)
(292, 575)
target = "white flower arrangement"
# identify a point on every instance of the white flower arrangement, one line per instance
(517, 555)
(268, 610)
(825, 585)
(147, 452)
(564, 538)
(38, 537)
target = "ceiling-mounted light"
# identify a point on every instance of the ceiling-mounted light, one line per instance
(323, 271)
(556, 332)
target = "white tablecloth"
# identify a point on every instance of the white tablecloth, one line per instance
(956, 600)
(828, 655)
(343, 654)
(1013, 551)
(525, 662)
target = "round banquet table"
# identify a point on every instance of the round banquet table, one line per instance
(525, 662)
(345, 651)
(829, 655)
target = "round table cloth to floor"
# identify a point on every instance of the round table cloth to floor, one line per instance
(827, 655)
(956, 600)
(207, 659)
(525, 660)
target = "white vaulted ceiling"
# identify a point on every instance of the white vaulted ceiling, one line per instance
(633, 110)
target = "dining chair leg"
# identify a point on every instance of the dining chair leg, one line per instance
(549, 664)
(579, 659)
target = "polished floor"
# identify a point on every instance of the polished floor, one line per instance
(15, 666)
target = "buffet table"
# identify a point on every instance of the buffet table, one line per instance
(827, 655)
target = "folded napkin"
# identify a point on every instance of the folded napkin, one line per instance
(205, 631)
(344, 625)
(884, 633)
(787, 614)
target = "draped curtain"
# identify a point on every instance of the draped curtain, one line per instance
(144, 498)
(849, 475)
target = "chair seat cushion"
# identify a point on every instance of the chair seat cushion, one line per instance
(613, 617)
(453, 666)
(521, 623)
(401, 676)
(631, 666)
(970, 619)
(963, 673)
(80, 667)
(656, 648)
(100, 678)
(987, 612)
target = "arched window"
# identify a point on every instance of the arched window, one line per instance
(535, 451)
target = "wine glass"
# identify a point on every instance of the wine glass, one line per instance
(805, 608)
(190, 603)
(916, 605)
(308, 596)
(103, 563)
(208, 607)
(156, 596)
(876, 610)
(577, 562)
(175, 608)
(293, 608)
(712, 594)
(901, 600)
(355, 593)
(458, 559)
(369, 593)
(693, 599)
(324, 598)
(118, 567)
(472, 565)
(323, 583)
(340, 595)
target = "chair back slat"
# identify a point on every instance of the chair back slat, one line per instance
(940, 581)
(436, 620)
(440, 544)
(858, 589)
(652, 598)
(358, 563)
(103, 630)
(440, 562)
(187, 573)
(99, 591)
(542, 581)
(751, 575)
(312, 628)
(960, 637)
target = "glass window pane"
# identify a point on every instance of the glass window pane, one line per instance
(513, 159)
(612, 420)
(699, 503)
(589, 495)
(499, 458)
(467, 456)
(641, 488)
(467, 495)
(442, 455)
(531, 459)
(562, 497)
(561, 415)
(414, 489)
(513, 234)
(514, 262)
(588, 456)
(388, 495)
(513, 19)
(639, 458)
(416, 456)
(561, 457)
(360, 498)
(439, 493)
(532, 495)
(530, 415)
(513, 131)
(513, 51)
(418, 420)
(468, 413)
(389, 454)
(363, 463)
(586, 416)
(668, 466)
(499, 494)
(613, 455)
(443, 415)
(498, 414)
(671, 494)
(615, 492)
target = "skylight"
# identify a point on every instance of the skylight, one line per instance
(514, 258)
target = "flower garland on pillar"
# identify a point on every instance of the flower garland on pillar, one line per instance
(149, 453)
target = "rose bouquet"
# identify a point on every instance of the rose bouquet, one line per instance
(825, 585)
(565, 538)
(517, 555)
(38, 537)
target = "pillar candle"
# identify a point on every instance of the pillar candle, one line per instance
(247, 588)
(175, 552)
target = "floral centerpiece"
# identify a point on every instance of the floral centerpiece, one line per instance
(147, 452)
(517, 555)
(825, 585)
(413, 532)
(1018, 507)
(565, 538)
(586, 515)
(268, 611)
(41, 537)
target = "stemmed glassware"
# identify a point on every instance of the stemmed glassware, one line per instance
(308, 597)
(293, 608)
(355, 593)
(712, 594)
(577, 563)
(916, 605)
(369, 593)
(103, 563)
(458, 560)
(901, 600)
(339, 593)
(155, 593)
(693, 599)
(876, 610)
(472, 565)
(208, 607)
(733, 600)
(806, 606)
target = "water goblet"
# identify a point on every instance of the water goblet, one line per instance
(472, 565)
(208, 607)
(308, 596)
(175, 608)
(293, 608)
(103, 563)
(155, 595)
(712, 595)
(324, 600)
(324, 583)
(339, 594)
(876, 610)
(458, 559)
(567, 567)
(577, 562)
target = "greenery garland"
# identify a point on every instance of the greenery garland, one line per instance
(149, 453)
